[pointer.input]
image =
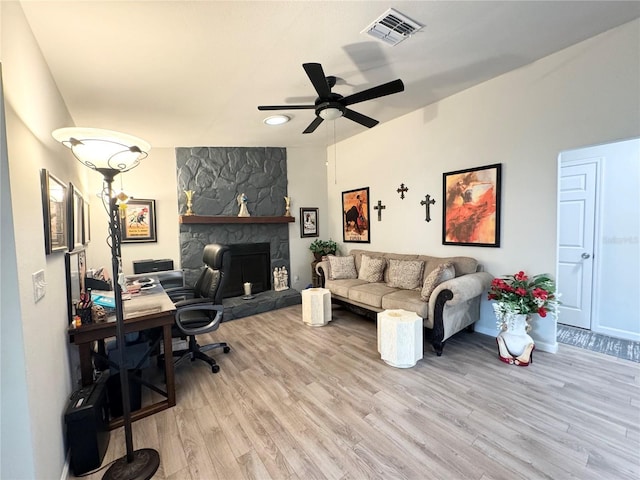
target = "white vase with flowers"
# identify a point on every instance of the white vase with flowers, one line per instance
(517, 298)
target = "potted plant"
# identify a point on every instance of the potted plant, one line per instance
(323, 247)
(517, 297)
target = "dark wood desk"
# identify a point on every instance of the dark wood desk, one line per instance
(151, 309)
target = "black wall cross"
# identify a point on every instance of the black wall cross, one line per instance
(379, 207)
(401, 190)
(427, 202)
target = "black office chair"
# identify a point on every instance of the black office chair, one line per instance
(199, 309)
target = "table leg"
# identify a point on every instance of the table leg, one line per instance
(168, 365)
(86, 365)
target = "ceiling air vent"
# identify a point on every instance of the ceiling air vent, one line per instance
(392, 27)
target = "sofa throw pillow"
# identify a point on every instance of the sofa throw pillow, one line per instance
(342, 267)
(405, 274)
(371, 269)
(444, 271)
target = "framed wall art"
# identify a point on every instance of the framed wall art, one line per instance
(308, 222)
(86, 218)
(75, 215)
(138, 224)
(54, 212)
(355, 216)
(471, 214)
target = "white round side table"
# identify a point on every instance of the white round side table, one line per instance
(316, 306)
(400, 338)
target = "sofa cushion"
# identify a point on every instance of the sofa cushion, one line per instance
(406, 300)
(372, 269)
(341, 287)
(405, 274)
(342, 267)
(442, 272)
(370, 293)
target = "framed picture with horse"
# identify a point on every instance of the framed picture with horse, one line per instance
(138, 221)
(355, 216)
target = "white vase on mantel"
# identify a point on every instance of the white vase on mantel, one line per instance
(515, 345)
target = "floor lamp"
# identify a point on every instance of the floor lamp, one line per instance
(111, 153)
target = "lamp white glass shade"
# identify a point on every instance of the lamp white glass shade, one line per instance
(277, 119)
(330, 113)
(103, 149)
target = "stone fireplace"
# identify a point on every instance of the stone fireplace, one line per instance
(217, 175)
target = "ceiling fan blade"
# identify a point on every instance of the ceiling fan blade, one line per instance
(318, 79)
(360, 118)
(375, 92)
(286, 107)
(313, 125)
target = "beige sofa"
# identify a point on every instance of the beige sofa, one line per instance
(453, 305)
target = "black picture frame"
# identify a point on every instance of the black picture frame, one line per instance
(54, 212)
(308, 222)
(86, 219)
(138, 224)
(75, 216)
(76, 271)
(355, 216)
(471, 212)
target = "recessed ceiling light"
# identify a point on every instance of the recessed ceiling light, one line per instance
(276, 119)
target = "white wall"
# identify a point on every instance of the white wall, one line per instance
(616, 253)
(15, 431)
(155, 179)
(583, 95)
(307, 176)
(34, 108)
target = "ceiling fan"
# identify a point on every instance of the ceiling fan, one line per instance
(330, 106)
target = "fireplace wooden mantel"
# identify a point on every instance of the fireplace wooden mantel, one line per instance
(204, 219)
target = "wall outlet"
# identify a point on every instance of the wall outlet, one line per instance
(39, 285)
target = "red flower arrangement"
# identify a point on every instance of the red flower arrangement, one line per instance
(525, 295)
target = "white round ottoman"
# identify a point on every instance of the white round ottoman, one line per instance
(316, 306)
(400, 338)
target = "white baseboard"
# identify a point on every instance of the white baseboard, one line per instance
(543, 346)
(65, 468)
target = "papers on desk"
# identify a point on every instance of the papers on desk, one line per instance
(106, 299)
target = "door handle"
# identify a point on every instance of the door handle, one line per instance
(585, 256)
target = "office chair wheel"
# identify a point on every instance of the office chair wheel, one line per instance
(226, 349)
(215, 368)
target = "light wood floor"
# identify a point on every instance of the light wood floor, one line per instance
(296, 402)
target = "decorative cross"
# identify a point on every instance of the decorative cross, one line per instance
(379, 207)
(401, 190)
(428, 201)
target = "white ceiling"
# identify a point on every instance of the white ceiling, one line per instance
(190, 73)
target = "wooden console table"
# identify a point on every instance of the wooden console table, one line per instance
(152, 309)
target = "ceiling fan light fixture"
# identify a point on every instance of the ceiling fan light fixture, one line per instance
(330, 113)
(277, 119)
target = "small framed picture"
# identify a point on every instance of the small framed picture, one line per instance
(86, 218)
(76, 218)
(308, 222)
(471, 213)
(138, 224)
(54, 211)
(355, 216)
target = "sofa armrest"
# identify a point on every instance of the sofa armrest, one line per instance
(322, 268)
(462, 288)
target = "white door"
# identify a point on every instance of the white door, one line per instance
(576, 224)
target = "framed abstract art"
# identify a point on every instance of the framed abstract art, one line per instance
(471, 214)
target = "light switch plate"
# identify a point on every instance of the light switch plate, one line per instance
(39, 285)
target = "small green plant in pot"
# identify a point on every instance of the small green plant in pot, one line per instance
(323, 247)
